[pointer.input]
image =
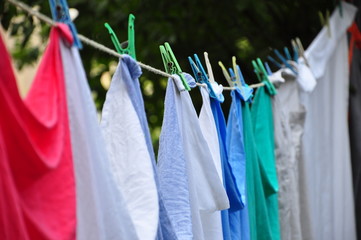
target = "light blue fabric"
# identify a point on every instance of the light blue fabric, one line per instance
(130, 72)
(228, 180)
(237, 159)
(172, 168)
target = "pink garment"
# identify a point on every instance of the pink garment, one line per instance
(37, 188)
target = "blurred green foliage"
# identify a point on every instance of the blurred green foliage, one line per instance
(246, 29)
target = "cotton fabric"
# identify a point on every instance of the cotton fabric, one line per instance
(211, 221)
(128, 152)
(188, 179)
(101, 209)
(37, 199)
(288, 118)
(326, 141)
(237, 158)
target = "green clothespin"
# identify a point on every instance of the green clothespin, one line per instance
(130, 49)
(171, 65)
(262, 75)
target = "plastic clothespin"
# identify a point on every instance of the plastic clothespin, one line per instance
(284, 60)
(209, 68)
(287, 53)
(130, 49)
(269, 72)
(262, 75)
(301, 50)
(60, 13)
(237, 73)
(277, 64)
(295, 50)
(340, 8)
(226, 74)
(325, 21)
(201, 76)
(171, 64)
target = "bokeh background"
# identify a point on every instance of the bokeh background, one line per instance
(246, 29)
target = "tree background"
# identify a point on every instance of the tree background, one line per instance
(246, 29)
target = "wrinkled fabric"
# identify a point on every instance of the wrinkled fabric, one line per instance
(326, 141)
(37, 193)
(101, 208)
(228, 179)
(288, 117)
(186, 175)
(128, 152)
(256, 198)
(262, 118)
(211, 221)
(355, 130)
(237, 158)
(165, 228)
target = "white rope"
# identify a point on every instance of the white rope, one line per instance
(101, 47)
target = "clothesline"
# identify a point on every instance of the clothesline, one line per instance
(101, 47)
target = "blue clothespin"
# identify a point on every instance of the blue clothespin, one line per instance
(279, 65)
(201, 76)
(287, 53)
(269, 72)
(60, 12)
(284, 61)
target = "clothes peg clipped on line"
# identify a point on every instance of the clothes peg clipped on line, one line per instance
(60, 13)
(325, 21)
(171, 65)
(130, 49)
(201, 77)
(262, 75)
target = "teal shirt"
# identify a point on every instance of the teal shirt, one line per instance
(257, 206)
(262, 120)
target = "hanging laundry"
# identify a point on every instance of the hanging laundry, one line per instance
(239, 219)
(326, 141)
(262, 118)
(355, 117)
(189, 181)
(257, 205)
(211, 221)
(229, 182)
(101, 209)
(288, 118)
(128, 149)
(37, 199)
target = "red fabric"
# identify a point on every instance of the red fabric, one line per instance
(355, 40)
(37, 186)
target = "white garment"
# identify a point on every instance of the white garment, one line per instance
(288, 117)
(326, 141)
(130, 158)
(206, 190)
(101, 209)
(211, 221)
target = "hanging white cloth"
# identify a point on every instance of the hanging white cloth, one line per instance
(326, 141)
(128, 152)
(101, 210)
(211, 221)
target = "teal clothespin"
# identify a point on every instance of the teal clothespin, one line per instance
(202, 77)
(287, 53)
(274, 62)
(130, 49)
(262, 75)
(60, 12)
(171, 64)
(284, 60)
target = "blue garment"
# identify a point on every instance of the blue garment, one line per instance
(237, 159)
(172, 168)
(130, 72)
(228, 180)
